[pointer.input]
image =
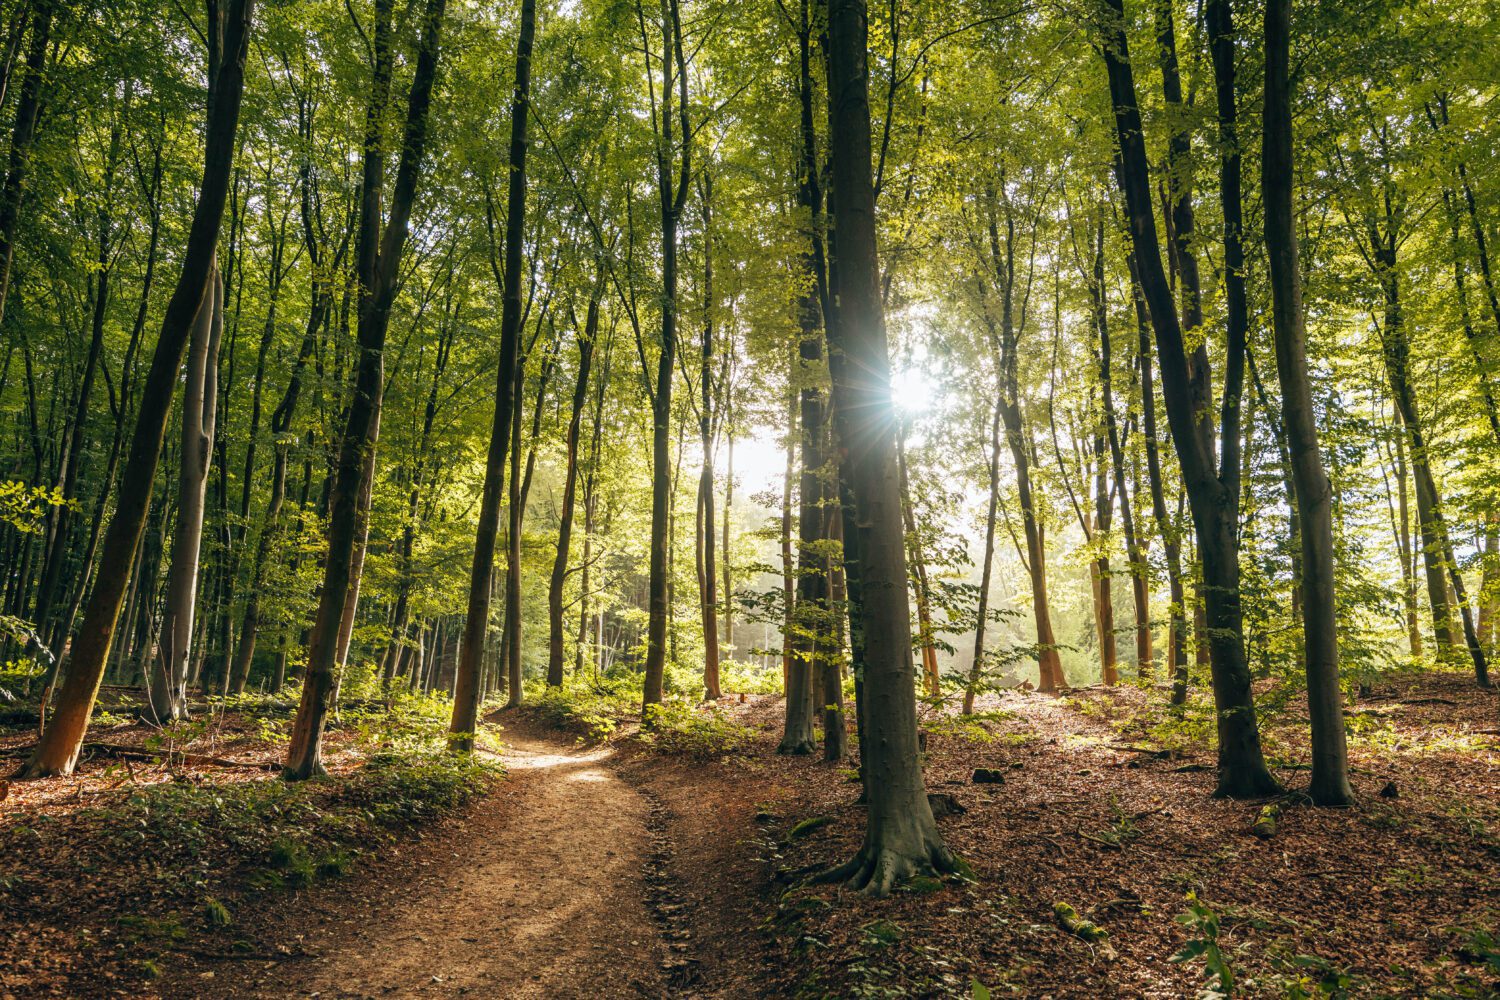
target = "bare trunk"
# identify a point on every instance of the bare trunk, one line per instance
(378, 265)
(57, 751)
(1325, 702)
(1213, 494)
(901, 837)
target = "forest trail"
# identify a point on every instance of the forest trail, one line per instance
(542, 893)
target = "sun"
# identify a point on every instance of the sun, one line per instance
(913, 391)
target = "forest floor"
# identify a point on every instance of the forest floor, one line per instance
(624, 870)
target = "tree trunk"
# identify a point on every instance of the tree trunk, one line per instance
(168, 673)
(901, 837)
(23, 132)
(671, 156)
(378, 266)
(926, 640)
(57, 750)
(1004, 342)
(726, 634)
(586, 339)
(708, 573)
(1213, 495)
(468, 691)
(976, 671)
(1325, 702)
(1134, 551)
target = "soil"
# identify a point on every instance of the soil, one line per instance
(624, 871)
(540, 890)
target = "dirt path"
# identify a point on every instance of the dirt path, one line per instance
(542, 892)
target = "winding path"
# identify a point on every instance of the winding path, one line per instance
(540, 892)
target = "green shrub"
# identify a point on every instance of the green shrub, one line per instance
(679, 728)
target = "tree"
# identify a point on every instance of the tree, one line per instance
(1325, 703)
(229, 39)
(1212, 494)
(377, 264)
(468, 691)
(901, 837)
(167, 678)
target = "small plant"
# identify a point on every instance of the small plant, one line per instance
(216, 913)
(883, 932)
(1313, 977)
(1202, 925)
(1478, 946)
(679, 728)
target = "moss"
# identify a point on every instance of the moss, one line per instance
(1069, 920)
(883, 932)
(808, 826)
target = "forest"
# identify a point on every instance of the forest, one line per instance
(785, 498)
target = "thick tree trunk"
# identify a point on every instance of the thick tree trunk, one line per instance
(1325, 702)
(57, 750)
(378, 266)
(901, 837)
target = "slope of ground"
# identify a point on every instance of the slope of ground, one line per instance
(632, 870)
(538, 891)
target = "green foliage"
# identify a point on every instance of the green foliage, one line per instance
(883, 932)
(216, 912)
(676, 727)
(592, 712)
(24, 508)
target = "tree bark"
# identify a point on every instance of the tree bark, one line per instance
(168, 673)
(976, 670)
(1005, 343)
(1213, 495)
(468, 691)
(1325, 702)
(586, 338)
(378, 265)
(901, 837)
(708, 573)
(673, 174)
(57, 750)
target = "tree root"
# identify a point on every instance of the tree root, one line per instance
(877, 872)
(1259, 785)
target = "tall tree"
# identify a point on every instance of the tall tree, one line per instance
(228, 33)
(377, 270)
(901, 837)
(1325, 703)
(1213, 494)
(673, 148)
